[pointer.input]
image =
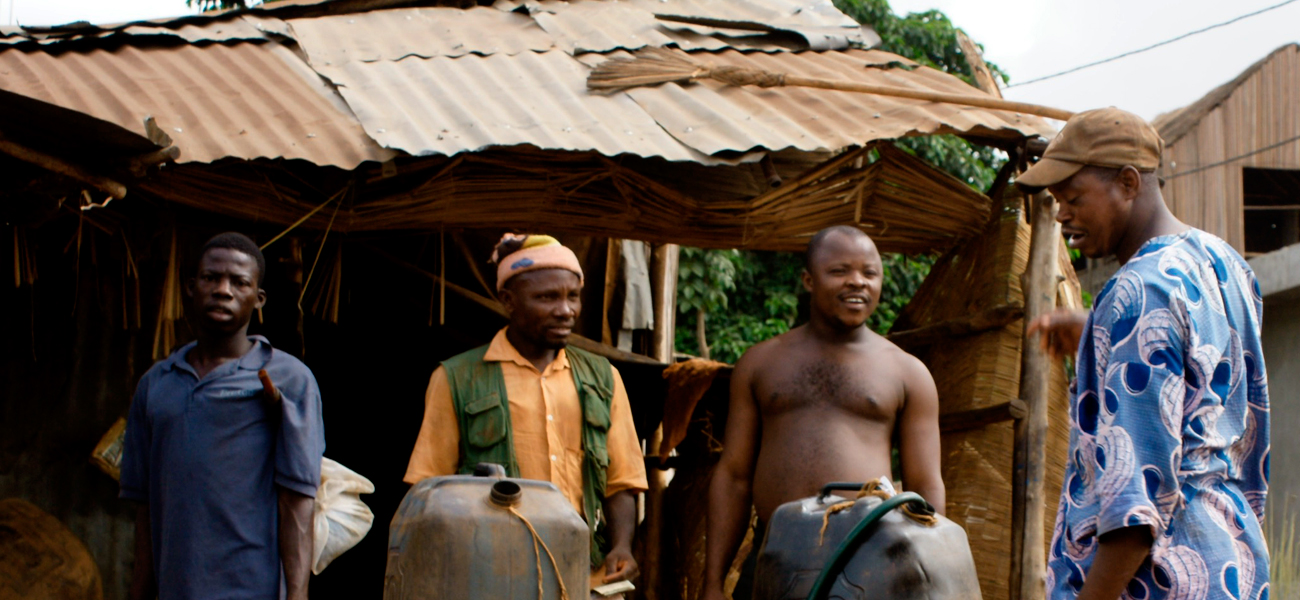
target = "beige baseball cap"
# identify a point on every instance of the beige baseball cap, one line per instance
(1104, 137)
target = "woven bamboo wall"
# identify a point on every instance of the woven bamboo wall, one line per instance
(1260, 109)
(984, 370)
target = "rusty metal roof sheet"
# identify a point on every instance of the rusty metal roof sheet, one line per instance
(451, 105)
(421, 32)
(239, 100)
(234, 28)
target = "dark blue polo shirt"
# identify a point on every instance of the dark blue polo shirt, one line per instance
(207, 456)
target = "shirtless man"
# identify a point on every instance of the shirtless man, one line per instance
(822, 403)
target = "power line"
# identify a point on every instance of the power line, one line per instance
(1153, 46)
(1235, 158)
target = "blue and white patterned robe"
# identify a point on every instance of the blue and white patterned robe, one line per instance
(1169, 426)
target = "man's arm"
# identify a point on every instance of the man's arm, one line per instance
(143, 584)
(437, 447)
(620, 515)
(918, 439)
(295, 541)
(731, 487)
(1119, 554)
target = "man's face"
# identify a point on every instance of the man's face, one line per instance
(225, 292)
(844, 278)
(544, 306)
(1094, 211)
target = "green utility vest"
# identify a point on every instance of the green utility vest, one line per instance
(478, 391)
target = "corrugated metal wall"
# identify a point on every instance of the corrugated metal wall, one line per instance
(1262, 111)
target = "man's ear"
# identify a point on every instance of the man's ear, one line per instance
(507, 299)
(1130, 180)
(189, 288)
(261, 298)
(806, 278)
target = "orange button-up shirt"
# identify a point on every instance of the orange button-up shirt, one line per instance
(546, 422)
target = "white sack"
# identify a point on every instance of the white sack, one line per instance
(341, 519)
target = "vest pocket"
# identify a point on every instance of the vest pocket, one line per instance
(486, 422)
(594, 408)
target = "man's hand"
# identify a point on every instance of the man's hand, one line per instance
(620, 565)
(1061, 330)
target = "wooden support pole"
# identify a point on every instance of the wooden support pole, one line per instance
(663, 283)
(58, 165)
(1028, 549)
(613, 254)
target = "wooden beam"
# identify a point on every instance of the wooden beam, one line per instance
(1011, 410)
(575, 340)
(58, 165)
(994, 318)
(979, 69)
(1028, 550)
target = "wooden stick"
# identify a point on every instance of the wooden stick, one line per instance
(980, 417)
(140, 165)
(653, 66)
(993, 318)
(58, 165)
(1028, 550)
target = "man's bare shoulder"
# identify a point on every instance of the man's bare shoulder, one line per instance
(908, 367)
(770, 349)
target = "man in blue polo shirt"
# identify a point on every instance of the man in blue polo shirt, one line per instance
(225, 474)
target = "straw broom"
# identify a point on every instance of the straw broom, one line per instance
(653, 66)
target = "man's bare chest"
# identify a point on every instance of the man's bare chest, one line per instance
(817, 385)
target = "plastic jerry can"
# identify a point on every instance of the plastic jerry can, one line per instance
(901, 552)
(465, 537)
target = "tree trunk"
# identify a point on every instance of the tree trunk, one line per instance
(700, 316)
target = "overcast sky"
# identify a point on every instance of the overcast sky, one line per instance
(1027, 38)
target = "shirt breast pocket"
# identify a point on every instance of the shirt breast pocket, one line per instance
(485, 422)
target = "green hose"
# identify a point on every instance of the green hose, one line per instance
(855, 538)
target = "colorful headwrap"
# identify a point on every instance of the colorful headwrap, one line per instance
(537, 252)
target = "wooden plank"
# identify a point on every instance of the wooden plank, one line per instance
(1011, 410)
(994, 318)
(983, 76)
(1028, 550)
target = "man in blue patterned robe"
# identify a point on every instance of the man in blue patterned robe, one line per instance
(1168, 469)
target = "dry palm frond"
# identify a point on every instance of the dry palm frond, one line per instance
(653, 66)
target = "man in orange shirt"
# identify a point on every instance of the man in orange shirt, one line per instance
(516, 402)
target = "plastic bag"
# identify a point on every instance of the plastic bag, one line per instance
(341, 519)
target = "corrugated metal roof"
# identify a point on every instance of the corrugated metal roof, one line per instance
(216, 101)
(246, 28)
(423, 32)
(712, 117)
(452, 105)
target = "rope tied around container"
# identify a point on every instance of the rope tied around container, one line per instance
(537, 539)
(878, 490)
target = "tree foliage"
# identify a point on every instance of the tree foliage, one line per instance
(207, 5)
(758, 295)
